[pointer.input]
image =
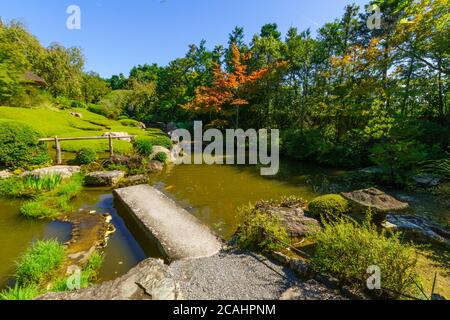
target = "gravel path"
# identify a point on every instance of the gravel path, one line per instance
(236, 276)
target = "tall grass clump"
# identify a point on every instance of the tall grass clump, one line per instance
(28, 187)
(44, 183)
(38, 262)
(37, 209)
(19, 293)
(51, 204)
(88, 274)
(260, 231)
(345, 250)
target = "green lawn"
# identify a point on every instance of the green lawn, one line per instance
(54, 122)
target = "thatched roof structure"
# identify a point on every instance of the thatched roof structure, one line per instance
(33, 78)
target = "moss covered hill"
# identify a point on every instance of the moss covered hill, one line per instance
(50, 122)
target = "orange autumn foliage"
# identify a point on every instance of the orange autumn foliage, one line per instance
(227, 88)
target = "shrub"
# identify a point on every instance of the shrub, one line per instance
(161, 140)
(161, 157)
(86, 156)
(143, 146)
(19, 293)
(42, 258)
(345, 250)
(259, 231)
(329, 206)
(19, 146)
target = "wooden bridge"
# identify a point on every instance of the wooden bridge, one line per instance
(108, 137)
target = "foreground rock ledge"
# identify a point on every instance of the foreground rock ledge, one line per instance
(179, 233)
(149, 280)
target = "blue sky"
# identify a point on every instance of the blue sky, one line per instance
(116, 34)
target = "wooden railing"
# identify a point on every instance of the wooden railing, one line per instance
(109, 137)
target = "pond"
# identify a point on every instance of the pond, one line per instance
(211, 193)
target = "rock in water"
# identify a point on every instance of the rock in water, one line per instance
(103, 178)
(149, 280)
(380, 202)
(419, 228)
(427, 180)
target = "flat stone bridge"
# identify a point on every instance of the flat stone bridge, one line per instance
(179, 234)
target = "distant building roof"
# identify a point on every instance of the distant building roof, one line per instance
(34, 78)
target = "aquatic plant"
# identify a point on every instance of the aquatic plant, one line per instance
(41, 259)
(44, 183)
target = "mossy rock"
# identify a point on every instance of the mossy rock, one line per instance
(330, 205)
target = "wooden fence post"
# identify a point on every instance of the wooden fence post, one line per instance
(58, 151)
(111, 148)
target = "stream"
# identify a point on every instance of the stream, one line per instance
(211, 193)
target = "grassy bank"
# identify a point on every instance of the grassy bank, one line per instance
(53, 122)
(41, 269)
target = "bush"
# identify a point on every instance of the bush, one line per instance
(20, 147)
(162, 141)
(161, 157)
(330, 206)
(19, 293)
(345, 250)
(259, 231)
(42, 258)
(86, 156)
(143, 146)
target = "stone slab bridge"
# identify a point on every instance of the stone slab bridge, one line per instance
(179, 234)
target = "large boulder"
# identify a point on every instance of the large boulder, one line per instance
(380, 202)
(149, 280)
(63, 171)
(293, 218)
(418, 228)
(103, 178)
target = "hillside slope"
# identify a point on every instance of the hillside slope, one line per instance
(53, 122)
